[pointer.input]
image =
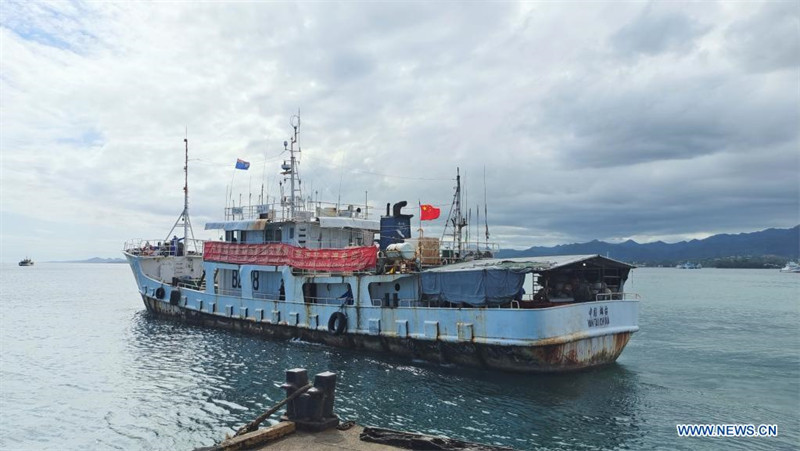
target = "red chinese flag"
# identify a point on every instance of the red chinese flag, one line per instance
(429, 212)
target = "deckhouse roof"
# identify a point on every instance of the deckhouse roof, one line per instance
(249, 224)
(534, 264)
(324, 222)
(349, 223)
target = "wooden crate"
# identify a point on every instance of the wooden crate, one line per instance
(428, 251)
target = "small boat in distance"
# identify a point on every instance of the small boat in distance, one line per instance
(26, 262)
(689, 265)
(791, 267)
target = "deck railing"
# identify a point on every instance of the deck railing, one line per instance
(304, 210)
(159, 247)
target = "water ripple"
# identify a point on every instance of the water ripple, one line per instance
(82, 356)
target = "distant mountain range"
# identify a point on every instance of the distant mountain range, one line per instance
(768, 247)
(781, 243)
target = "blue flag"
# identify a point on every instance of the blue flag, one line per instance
(241, 164)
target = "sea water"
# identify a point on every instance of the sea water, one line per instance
(84, 366)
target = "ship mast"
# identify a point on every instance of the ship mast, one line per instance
(485, 209)
(183, 218)
(458, 219)
(186, 186)
(291, 168)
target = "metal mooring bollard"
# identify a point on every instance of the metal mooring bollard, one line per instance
(295, 379)
(327, 383)
(313, 410)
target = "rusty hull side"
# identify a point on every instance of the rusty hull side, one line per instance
(577, 354)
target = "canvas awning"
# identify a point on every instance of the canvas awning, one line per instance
(534, 264)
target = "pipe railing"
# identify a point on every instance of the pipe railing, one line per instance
(305, 210)
(159, 247)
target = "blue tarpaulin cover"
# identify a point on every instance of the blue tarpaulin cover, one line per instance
(477, 287)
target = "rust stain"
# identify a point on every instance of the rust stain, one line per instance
(307, 307)
(621, 340)
(572, 357)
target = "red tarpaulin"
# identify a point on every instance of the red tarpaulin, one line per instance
(349, 259)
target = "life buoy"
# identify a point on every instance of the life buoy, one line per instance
(160, 293)
(337, 324)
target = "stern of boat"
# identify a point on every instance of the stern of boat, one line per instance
(570, 337)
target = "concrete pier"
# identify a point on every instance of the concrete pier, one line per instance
(310, 423)
(327, 440)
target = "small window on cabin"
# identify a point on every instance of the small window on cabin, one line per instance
(278, 235)
(269, 234)
(397, 287)
(228, 236)
(291, 232)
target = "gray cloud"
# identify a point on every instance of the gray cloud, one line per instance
(768, 40)
(653, 32)
(638, 121)
(667, 117)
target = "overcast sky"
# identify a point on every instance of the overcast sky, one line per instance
(609, 121)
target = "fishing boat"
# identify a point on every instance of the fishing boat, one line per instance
(791, 267)
(335, 274)
(26, 262)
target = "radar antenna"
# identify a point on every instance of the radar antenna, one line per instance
(290, 168)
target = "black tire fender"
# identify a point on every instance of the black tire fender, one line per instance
(337, 323)
(160, 293)
(175, 297)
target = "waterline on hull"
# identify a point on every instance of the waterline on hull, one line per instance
(575, 354)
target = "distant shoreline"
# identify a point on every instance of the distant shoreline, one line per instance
(93, 260)
(638, 265)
